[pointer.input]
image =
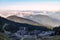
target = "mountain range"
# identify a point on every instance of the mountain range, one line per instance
(45, 20)
(56, 15)
(39, 17)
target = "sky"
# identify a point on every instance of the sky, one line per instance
(29, 4)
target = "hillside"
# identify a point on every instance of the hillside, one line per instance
(22, 20)
(45, 20)
(56, 15)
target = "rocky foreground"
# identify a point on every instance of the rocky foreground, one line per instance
(21, 31)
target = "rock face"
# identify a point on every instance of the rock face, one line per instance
(4, 37)
(45, 20)
(22, 20)
(57, 30)
(11, 28)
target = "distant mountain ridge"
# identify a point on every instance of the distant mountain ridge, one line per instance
(45, 20)
(56, 15)
(22, 20)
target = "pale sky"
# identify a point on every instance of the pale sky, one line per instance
(29, 4)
